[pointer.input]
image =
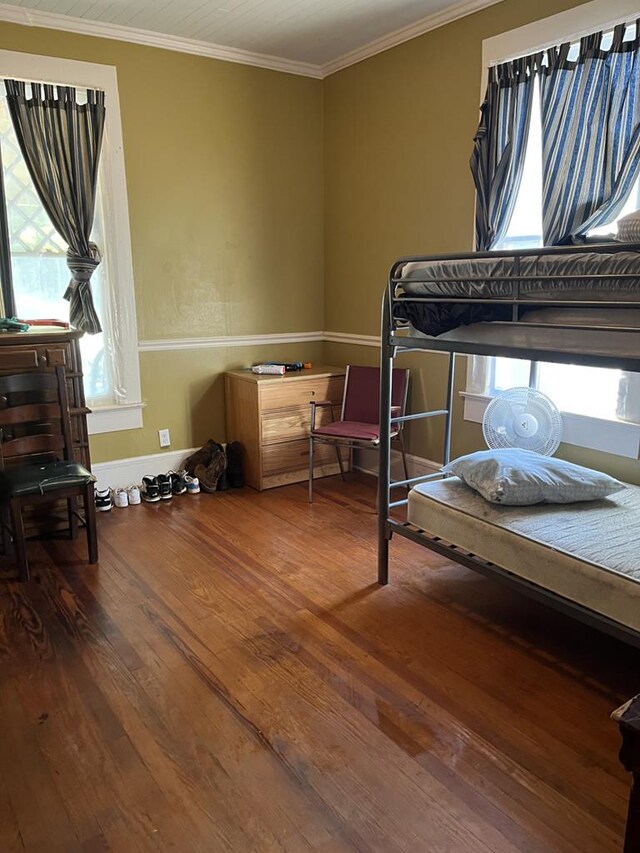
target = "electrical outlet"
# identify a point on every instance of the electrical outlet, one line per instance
(165, 438)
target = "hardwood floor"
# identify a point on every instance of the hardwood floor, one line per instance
(231, 678)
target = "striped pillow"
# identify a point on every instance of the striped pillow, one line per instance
(629, 228)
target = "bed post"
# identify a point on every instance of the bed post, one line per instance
(451, 378)
(628, 719)
(384, 468)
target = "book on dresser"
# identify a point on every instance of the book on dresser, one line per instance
(270, 417)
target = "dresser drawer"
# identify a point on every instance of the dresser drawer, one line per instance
(53, 356)
(18, 358)
(31, 358)
(290, 424)
(281, 395)
(294, 455)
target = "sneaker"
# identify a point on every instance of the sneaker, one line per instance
(150, 489)
(122, 498)
(193, 484)
(134, 495)
(200, 457)
(103, 500)
(210, 474)
(234, 465)
(164, 485)
(223, 482)
(178, 484)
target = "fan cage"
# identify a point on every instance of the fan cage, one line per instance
(524, 418)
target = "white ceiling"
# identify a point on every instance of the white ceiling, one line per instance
(315, 32)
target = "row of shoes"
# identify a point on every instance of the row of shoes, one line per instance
(107, 498)
(213, 468)
(153, 489)
(162, 487)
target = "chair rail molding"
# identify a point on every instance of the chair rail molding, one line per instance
(229, 341)
(163, 344)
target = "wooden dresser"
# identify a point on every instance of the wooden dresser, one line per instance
(270, 417)
(44, 350)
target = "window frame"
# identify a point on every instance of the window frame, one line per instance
(616, 437)
(71, 72)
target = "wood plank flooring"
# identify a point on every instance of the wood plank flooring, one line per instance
(231, 678)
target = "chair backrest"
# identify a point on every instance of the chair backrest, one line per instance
(35, 425)
(361, 400)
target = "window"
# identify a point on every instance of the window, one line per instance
(38, 253)
(525, 228)
(39, 263)
(588, 391)
(590, 394)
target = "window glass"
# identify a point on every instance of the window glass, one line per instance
(39, 266)
(581, 390)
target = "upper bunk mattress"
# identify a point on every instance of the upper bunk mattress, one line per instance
(587, 552)
(604, 277)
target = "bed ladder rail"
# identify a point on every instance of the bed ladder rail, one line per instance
(388, 353)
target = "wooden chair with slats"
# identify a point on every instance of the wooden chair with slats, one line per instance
(36, 457)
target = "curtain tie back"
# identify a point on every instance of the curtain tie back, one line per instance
(82, 313)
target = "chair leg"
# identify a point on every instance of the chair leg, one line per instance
(310, 469)
(5, 521)
(73, 518)
(19, 543)
(90, 520)
(404, 456)
(340, 462)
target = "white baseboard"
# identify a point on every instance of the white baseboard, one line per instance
(367, 461)
(125, 472)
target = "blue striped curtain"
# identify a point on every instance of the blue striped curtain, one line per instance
(590, 134)
(500, 145)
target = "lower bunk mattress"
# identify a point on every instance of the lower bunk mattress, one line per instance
(588, 553)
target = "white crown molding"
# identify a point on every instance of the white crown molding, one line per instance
(83, 26)
(356, 340)
(99, 29)
(411, 31)
(229, 341)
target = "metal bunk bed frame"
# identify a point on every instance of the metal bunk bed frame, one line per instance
(395, 339)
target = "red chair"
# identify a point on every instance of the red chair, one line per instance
(359, 420)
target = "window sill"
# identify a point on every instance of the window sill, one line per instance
(616, 437)
(115, 418)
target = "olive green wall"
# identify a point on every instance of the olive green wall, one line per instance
(225, 187)
(263, 202)
(398, 137)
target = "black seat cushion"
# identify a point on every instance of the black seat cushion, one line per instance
(41, 479)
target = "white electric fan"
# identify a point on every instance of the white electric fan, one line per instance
(524, 418)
